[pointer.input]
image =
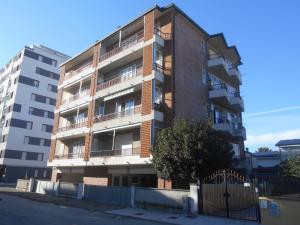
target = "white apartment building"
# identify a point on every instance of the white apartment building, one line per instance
(28, 88)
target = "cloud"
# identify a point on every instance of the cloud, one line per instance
(272, 111)
(271, 138)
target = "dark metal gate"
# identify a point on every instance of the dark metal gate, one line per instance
(228, 194)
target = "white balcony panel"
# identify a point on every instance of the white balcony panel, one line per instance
(235, 76)
(74, 104)
(84, 73)
(237, 103)
(76, 132)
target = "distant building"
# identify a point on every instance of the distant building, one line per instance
(28, 88)
(267, 163)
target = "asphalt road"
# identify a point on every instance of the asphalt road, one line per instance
(19, 211)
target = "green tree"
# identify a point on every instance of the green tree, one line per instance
(189, 150)
(263, 149)
(291, 167)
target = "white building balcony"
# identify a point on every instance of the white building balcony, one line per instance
(219, 94)
(74, 130)
(235, 75)
(218, 66)
(129, 50)
(75, 100)
(239, 132)
(78, 74)
(237, 102)
(116, 152)
(118, 119)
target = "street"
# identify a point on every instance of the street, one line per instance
(19, 211)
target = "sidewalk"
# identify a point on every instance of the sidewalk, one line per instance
(70, 202)
(179, 219)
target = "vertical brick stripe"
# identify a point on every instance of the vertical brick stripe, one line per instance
(147, 60)
(96, 55)
(58, 97)
(145, 138)
(93, 84)
(147, 97)
(62, 74)
(149, 25)
(52, 150)
(87, 146)
(55, 123)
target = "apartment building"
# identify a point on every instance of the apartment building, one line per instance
(28, 88)
(115, 96)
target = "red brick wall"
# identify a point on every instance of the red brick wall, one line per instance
(149, 25)
(164, 184)
(145, 138)
(87, 146)
(62, 74)
(147, 97)
(147, 60)
(52, 150)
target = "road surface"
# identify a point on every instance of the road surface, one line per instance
(19, 211)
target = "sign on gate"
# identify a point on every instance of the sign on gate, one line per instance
(228, 194)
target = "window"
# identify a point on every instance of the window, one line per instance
(45, 173)
(28, 81)
(3, 139)
(43, 99)
(47, 73)
(35, 173)
(21, 123)
(47, 128)
(40, 157)
(52, 88)
(40, 113)
(17, 107)
(23, 156)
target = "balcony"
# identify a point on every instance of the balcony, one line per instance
(218, 66)
(219, 94)
(237, 102)
(120, 82)
(76, 74)
(224, 126)
(230, 129)
(74, 129)
(116, 152)
(69, 156)
(117, 119)
(132, 47)
(239, 132)
(75, 100)
(235, 75)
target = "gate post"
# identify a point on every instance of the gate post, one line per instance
(226, 194)
(200, 197)
(194, 199)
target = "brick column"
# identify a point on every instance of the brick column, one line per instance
(52, 150)
(148, 25)
(164, 184)
(62, 74)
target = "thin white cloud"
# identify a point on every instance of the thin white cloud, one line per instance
(271, 138)
(273, 111)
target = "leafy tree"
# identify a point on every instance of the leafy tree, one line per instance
(189, 150)
(291, 167)
(264, 149)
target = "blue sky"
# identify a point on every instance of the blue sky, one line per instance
(265, 32)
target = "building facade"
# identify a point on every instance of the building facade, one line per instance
(28, 88)
(114, 97)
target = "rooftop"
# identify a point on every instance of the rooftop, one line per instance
(288, 142)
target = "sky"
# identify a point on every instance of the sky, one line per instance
(266, 34)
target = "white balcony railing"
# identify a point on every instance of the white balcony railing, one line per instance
(120, 78)
(72, 73)
(73, 126)
(70, 156)
(116, 115)
(116, 152)
(76, 96)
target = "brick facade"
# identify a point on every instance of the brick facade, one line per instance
(145, 138)
(149, 25)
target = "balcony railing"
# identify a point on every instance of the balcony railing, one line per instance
(116, 152)
(73, 126)
(70, 156)
(75, 97)
(218, 86)
(139, 37)
(119, 78)
(116, 115)
(72, 73)
(165, 36)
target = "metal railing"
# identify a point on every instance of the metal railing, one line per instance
(218, 86)
(70, 156)
(73, 126)
(139, 37)
(119, 78)
(75, 97)
(72, 73)
(124, 113)
(116, 152)
(165, 36)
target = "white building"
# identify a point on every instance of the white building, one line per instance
(28, 88)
